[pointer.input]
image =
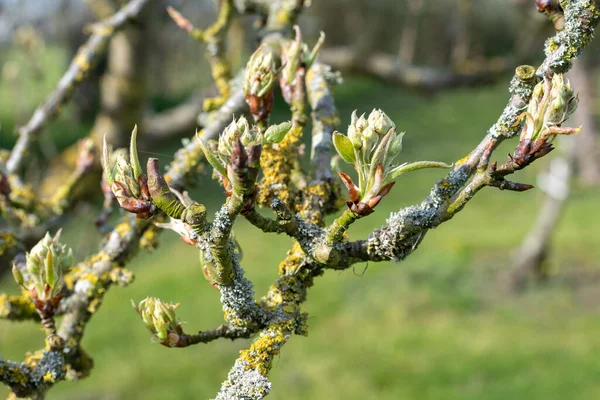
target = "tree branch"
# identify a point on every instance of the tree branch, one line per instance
(86, 59)
(404, 230)
(388, 68)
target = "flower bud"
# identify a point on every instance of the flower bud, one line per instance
(260, 73)
(564, 102)
(44, 268)
(18, 275)
(234, 131)
(553, 101)
(160, 320)
(251, 140)
(372, 145)
(296, 57)
(380, 122)
(353, 133)
(126, 180)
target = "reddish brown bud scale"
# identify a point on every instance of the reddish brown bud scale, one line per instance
(260, 107)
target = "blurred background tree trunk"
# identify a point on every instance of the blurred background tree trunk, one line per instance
(122, 97)
(409, 35)
(582, 78)
(578, 156)
(531, 262)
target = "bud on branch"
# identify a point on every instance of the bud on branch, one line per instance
(372, 145)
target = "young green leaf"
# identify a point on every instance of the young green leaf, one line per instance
(133, 154)
(212, 158)
(276, 133)
(396, 172)
(344, 147)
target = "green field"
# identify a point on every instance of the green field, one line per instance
(440, 325)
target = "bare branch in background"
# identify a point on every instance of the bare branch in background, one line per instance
(87, 57)
(389, 69)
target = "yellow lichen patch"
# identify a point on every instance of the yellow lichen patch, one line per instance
(332, 121)
(277, 162)
(92, 279)
(48, 377)
(17, 376)
(326, 195)
(292, 262)
(100, 256)
(17, 307)
(284, 17)
(71, 342)
(94, 305)
(7, 241)
(445, 184)
(23, 192)
(121, 276)
(260, 354)
(32, 359)
(462, 160)
(123, 228)
(82, 61)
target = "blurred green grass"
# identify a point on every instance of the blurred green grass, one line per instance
(436, 326)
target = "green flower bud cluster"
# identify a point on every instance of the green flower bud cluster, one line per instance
(126, 171)
(220, 154)
(296, 54)
(258, 82)
(126, 179)
(260, 73)
(552, 103)
(372, 144)
(160, 320)
(44, 268)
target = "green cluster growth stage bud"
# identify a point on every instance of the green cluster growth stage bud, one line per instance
(295, 55)
(160, 320)
(251, 138)
(552, 103)
(372, 145)
(44, 268)
(259, 78)
(260, 73)
(125, 177)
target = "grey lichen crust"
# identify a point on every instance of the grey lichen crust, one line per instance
(580, 18)
(238, 300)
(244, 383)
(24, 381)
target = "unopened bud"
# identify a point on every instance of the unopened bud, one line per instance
(45, 267)
(160, 320)
(260, 73)
(372, 146)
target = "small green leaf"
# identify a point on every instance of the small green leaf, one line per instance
(395, 146)
(276, 133)
(344, 147)
(133, 155)
(380, 155)
(50, 274)
(315, 51)
(18, 275)
(212, 158)
(396, 172)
